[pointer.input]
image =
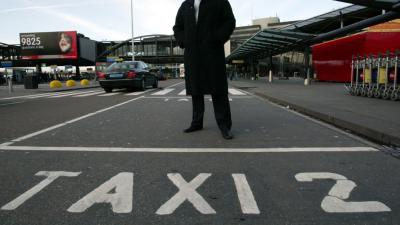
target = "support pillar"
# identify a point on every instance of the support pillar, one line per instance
(307, 53)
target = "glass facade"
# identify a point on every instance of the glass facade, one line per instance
(152, 47)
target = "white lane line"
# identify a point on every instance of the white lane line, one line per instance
(171, 150)
(70, 94)
(86, 95)
(12, 103)
(137, 93)
(182, 92)
(175, 84)
(189, 97)
(28, 96)
(71, 121)
(110, 94)
(235, 92)
(164, 92)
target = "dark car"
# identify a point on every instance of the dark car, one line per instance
(129, 74)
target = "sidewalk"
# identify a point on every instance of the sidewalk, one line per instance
(19, 89)
(375, 119)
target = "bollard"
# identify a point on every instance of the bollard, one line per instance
(270, 76)
(10, 86)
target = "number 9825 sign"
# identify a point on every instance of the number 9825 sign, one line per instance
(49, 45)
(30, 41)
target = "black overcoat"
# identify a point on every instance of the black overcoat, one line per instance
(203, 43)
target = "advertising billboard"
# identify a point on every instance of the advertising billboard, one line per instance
(49, 45)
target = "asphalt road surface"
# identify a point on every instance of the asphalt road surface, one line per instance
(86, 157)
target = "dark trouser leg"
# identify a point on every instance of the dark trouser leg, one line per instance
(198, 110)
(222, 111)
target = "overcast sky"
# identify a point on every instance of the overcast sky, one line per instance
(110, 19)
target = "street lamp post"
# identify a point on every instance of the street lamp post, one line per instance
(133, 43)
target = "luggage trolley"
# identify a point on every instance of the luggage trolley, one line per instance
(396, 77)
(381, 77)
(356, 76)
(374, 66)
(385, 77)
(351, 89)
(366, 76)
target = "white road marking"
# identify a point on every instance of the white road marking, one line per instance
(23, 96)
(50, 177)
(182, 92)
(61, 94)
(174, 85)
(245, 195)
(164, 92)
(187, 191)
(41, 96)
(120, 200)
(90, 94)
(183, 100)
(11, 103)
(334, 201)
(235, 92)
(342, 189)
(29, 96)
(332, 204)
(189, 97)
(110, 94)
(169, 150)
(72, 93)
(137, 93)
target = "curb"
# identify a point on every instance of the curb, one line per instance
(363, 131)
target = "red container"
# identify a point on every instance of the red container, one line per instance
(332, 59)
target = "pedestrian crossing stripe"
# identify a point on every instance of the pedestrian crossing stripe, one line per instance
(68, 94)
(89, 94)
(235, 92)
(164, 92)
(101, 93)
(109, 94)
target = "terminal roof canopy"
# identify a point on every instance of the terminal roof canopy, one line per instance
(298, 35)
(272, 41)
(377, 4)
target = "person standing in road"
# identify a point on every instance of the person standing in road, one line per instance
(202, 27)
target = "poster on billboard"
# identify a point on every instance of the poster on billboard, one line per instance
(49, 45)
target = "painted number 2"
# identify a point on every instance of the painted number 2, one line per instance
(335, 202)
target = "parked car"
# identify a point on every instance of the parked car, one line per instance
(128, 74)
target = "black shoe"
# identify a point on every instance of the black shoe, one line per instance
(193, 129)
(227, 134)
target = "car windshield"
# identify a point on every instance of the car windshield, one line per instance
(121, 67)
